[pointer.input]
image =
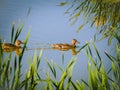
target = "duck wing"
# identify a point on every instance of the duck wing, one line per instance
(66, 44)
(8, 47)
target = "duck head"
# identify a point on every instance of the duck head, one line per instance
(74, 42)
(18, 42)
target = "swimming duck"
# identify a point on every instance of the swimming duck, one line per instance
(8, 47)
(65, 46)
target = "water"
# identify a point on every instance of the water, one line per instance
(48, 24)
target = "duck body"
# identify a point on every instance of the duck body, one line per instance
(65, 46)
(8, 47)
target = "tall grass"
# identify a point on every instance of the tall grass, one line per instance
(11, 76)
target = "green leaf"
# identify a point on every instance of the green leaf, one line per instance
(85, 83)
(74, 85)
(52, 68)
(63, 58)
(97, 52)
(12, 34)
(63, 3)
(74, 21)
(110, 57)
(39, 59)
(29, 10)
(80, 27)
(110, 40)
(67, 72)
(60, 67)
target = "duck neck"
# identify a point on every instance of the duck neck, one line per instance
(17, 45)
(73, 45)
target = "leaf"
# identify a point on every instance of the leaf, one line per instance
(75, 16)
(15, 64)
(109, 56)
(67, 72)
(63, 58)
(95, 37)
(67, 11)
(63, 3)
(80, 27)
(85, 83)
(74, 21)
(90, 51)
(39, 59)
(19, 30)
(28, 13)
(12, 33)
(96, 50)
(74, 85)
(109, 70)
(60, 67)
(83, 47)
(110, 40)
(52, 68)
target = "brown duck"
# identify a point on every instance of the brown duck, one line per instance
(65, 46)
(8, 47)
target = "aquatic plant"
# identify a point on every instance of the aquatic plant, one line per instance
(11, 76)
(103, 14)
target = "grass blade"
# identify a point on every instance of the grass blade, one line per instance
(28, 12)
(85, 83)
(52, 68)
(39, 59)
(110, 57)
(66, 73)
(12, 34)
(97, 52)
(80, 28)
(63, 57)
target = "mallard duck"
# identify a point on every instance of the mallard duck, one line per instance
(65, 46)
(8, 47)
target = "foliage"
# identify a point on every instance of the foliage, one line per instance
(11, 76)
(104, 14)
(98, 78)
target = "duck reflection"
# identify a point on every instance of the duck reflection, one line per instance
(74, 51)
(66, 47)
(9, 47)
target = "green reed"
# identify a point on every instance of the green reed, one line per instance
(12, 78)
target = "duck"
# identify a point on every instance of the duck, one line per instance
(65, 46)
(9, 47)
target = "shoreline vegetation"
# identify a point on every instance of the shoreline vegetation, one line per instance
(98, 78)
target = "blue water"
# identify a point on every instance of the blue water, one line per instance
(48, 24)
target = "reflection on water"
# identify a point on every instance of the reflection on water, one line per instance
(18, 51)
(74, 51)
